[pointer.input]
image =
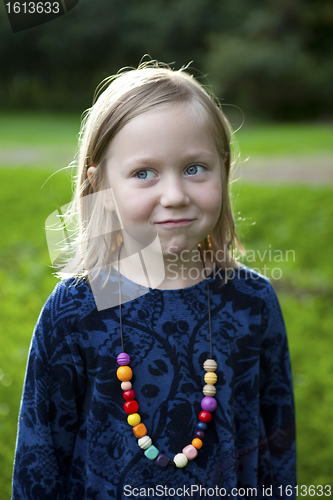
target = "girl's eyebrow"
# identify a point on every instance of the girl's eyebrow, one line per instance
(198, 155)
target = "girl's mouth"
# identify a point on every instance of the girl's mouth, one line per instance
(175, 222)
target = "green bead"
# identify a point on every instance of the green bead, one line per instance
(152, 452)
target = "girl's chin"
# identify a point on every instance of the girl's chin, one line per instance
(175, 249)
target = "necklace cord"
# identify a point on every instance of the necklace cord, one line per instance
(208, 300)
(209, 314)
(119, 289)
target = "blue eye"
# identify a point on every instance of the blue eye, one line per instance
(195, 169)
(144, 174)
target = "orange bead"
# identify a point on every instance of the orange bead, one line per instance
(124, 373)
(139, 430)
(197, 443)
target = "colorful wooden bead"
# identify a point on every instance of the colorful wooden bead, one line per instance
(129, 395)
(134, 419)
(200, 434)
(202, 426)
(131, 407)
(180, 460)
(209, 390)
(124, 373)
(197, 443)
(140, 430)
(210, 378)
(151, 452)
(144, 442)
(126, 386)
(162, 460)
(123, 359)
(205, 416)
(208, 403)
(190, 452)
(210, 365)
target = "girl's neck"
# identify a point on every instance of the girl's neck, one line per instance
(171, 271)
(186, 270)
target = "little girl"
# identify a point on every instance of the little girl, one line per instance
(159, 366)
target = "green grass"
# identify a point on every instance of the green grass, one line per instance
(285, 139)
(38, 129)
(295, 219)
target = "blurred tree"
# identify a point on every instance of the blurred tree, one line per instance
(271, 58)
(276, 62)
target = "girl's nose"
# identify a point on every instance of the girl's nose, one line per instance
(173, 192)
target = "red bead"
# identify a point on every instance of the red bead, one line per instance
(131, 407)
(129, 395)
(205, 416)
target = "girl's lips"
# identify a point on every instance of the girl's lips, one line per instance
(175, 222)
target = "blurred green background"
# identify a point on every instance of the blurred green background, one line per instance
(273, 60)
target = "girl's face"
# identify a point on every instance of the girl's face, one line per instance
(165, 172)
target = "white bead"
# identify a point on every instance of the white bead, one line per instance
(145, 442)
(210, 365)
(209, 390)
(180, 460)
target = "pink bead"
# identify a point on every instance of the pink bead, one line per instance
(190, 452)
(208, 403)
(126, 386)
(123, 359)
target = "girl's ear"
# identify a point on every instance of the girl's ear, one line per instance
(91, 172)
(108, 201)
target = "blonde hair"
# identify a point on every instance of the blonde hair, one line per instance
(118, 100)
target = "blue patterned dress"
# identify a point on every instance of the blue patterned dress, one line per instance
(74, 442)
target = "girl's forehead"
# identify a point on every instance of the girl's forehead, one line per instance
(166, 114)
(175, 122)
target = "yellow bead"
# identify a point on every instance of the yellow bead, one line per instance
(124, 373)
(210, 365)
(210, 378)
(197, 443)
(209, 390)
(134, 419)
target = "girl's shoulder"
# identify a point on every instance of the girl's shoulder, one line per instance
(70, 299)
(242, 279)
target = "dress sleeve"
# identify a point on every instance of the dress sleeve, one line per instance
(277, 408)
(51, 403)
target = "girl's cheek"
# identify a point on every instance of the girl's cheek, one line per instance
(212, 200)
(138, 209)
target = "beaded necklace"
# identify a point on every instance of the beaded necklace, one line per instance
(131, 406)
